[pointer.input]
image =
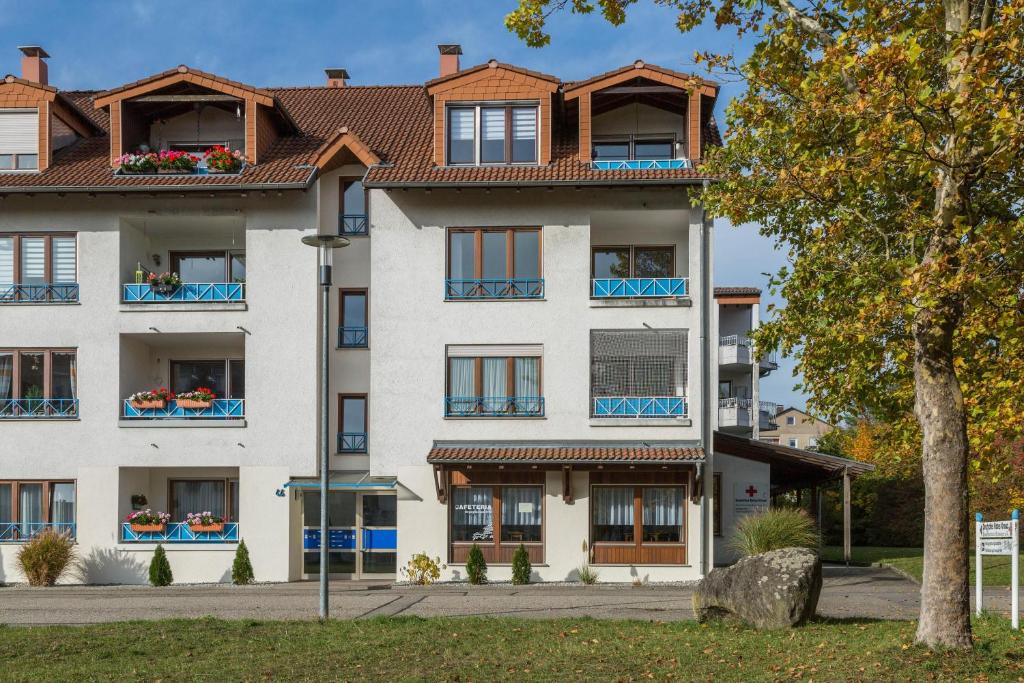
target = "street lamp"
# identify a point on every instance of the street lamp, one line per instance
(326, 245)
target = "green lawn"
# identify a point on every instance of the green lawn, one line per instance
(482, 649)
(911, 561)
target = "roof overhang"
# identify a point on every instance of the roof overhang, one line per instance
(331, 154)
(640, 69)
(184, 74)
(491, 68)
(791, 467)
(561, 453)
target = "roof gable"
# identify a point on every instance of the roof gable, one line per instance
(328, 156)
(184, 74)
(640, 69)
(493, 70)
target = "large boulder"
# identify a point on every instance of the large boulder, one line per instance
(777, 589)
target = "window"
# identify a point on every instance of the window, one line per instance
(717, 503)
(633, 261)
(638, 373)
(488, 381)
(38, 267)
(352, 202)
(38, 383)
(226, 378)
(794, 443)
(352, 423)
(19, 139)
(353, 318)
(503, 134)
(209, 266)
(217, 496)
(502, 263)
(28, 507)
(634, 147)
(790, 420)
(630, 518)
(497, 517)
(725, 388)
(812, 443)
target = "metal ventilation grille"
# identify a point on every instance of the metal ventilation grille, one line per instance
(642, 363)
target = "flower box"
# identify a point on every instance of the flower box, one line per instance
(192, 404)
(161, 288)
(146, 405)
(148, 528)
(207, 528)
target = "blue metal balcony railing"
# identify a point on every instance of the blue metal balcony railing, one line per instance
(353, 224)
(516, 288)
(641, 165)
(13, 532)
(40, 408)
(639, 406)
(638, 287)
(493, 406)
(351, 442)
(63, 293)
(180, 532)
(220, 409)
(188, 292)
(352, 337)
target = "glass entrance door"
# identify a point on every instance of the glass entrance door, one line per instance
(362, 540)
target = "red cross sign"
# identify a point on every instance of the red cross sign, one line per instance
(751, 491)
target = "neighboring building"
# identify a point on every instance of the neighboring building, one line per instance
(796, 429)
(519, 354)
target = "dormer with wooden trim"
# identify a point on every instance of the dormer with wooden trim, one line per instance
(492, 115)
(189, 110)
(642, 116)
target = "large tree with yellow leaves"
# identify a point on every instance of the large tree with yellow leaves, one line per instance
(881, 142)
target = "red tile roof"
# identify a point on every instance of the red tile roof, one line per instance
(564, 454)
(737, 291)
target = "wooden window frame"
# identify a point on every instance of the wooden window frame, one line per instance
(639, 545)
(46, 498)
(47, 252)
(510, 376)
(176, 256)
(47, 367)
(229, 390)
(510, 249)
(496, 547)
(228, 499)
(477, 108)
(632, 256)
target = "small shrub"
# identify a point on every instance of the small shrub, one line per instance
(160, 569)
(46, 557)
(588, 574)
(476, 566)
(521, 566)
(422, 570)
(241, 568)
(774, 529)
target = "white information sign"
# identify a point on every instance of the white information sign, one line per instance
(749, 497)
(998, 538)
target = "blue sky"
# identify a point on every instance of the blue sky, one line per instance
(289, 42)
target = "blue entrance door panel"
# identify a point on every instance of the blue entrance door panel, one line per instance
(380, 539)
(337, 539)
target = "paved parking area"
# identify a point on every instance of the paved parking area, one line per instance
(854, 592)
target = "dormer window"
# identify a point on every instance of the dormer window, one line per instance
(19, 139)
(492, 134)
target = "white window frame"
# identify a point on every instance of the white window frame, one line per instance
(794, 443)
(14, 154)
(478, 132)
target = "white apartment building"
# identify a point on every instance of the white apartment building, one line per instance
(525, 347)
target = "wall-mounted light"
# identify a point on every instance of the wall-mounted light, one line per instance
(156, 259)
(239, 327)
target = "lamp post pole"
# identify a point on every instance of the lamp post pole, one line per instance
(326, 244)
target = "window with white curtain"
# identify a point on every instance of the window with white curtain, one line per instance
(494, 385)
(617, 519)
(462, 136)
(33, 260)
(44, 374)
(506, 134)
(521, 514)
(663, 514)
(472, 513)
(24, 510)
(524, 135)
(612, 510)
(37, 259)
(6, 260)
(19, 139)
(198, 495)
(492, 135)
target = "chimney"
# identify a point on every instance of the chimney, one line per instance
(336, 78)
(449, 59)
(33, 68)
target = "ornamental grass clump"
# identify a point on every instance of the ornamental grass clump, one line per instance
(46, 557)
(476, 566)
(588, 575)
(241, 568)
(160, 569)
(521, 566)
(774, 529)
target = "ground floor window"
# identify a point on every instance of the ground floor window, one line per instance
(28, 507)
(497, 517)
(216, 496)
(716, 502)
(638, 524)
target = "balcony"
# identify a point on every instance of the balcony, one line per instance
(734, 349)
(352, 337)
(219, 409)
(353, 225)
(180, 532)
(640, 164)
(56, 293)
(516, 288)
(494, 406)
(15, 532)
(639, 406)
(351, 442)
(736, 414)
(39, 408)
(187, 292)
(638, 287)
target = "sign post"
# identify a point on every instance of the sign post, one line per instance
(998, 538)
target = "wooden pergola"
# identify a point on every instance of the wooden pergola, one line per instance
(798, 470)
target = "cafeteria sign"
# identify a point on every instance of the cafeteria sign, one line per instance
(1000, 537)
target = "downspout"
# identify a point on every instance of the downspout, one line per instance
(707, 440)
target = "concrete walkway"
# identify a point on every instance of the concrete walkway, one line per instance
(854, 592)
